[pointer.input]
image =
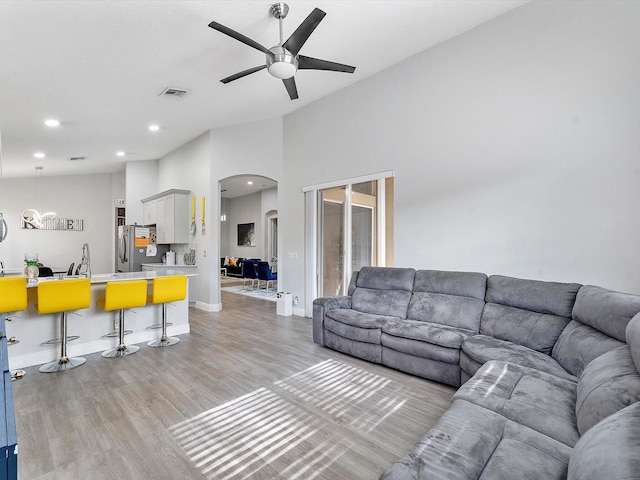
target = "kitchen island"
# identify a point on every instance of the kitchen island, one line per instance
(33, 330)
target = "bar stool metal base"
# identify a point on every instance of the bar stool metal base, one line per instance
(163, 342)
(120, 351)
(64, 363)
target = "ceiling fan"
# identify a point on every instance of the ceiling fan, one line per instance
(283, 60)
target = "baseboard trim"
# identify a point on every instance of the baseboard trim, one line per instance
(209, 307)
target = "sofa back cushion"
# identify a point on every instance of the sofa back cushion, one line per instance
(608, 384)
(609, 449)
(531, 313)
(448, 298)
(600, 317)
(633, 339)
(606, 310)
(383, 291)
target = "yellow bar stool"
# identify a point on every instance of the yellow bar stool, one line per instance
(13, 298)
(62, 296)
(165, 290)
(118, 296)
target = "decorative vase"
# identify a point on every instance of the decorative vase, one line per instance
(31, 270)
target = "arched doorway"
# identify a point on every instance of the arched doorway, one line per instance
(248, 222)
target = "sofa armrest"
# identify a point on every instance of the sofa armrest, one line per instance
(320, 307)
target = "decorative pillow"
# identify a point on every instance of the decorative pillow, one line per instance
(232, 262)
(226, 261)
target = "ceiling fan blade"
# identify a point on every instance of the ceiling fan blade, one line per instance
(310, 63)
(239, 37)
(243, 73)
(290, 85)
(302, 33)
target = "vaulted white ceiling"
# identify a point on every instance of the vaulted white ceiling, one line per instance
(99, 67)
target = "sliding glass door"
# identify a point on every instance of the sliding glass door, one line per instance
(351, 232)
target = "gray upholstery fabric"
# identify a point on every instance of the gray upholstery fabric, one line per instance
(432, 333)
(538, 400)
(460, 284)
(608, 384)
(448, 298)
(363, 327)
(538, 331)
(578, 344)
(367, 351)
(353, 282)
(606, 310)
(633, 339)
(421, 349)
(470, 442)
(386, 278)
(381, 302)
(482, 348)
(320, 307)
(460, 312)
(432, 369)
(542, 297)
(383, 291)
(610, 450)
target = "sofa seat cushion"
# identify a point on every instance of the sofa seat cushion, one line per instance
(469, 442)
(609, 449)
(363, 327)
(482, 348)
(441, 335)
(608, 384)
(538, 400)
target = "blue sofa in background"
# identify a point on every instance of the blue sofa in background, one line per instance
(548, 372)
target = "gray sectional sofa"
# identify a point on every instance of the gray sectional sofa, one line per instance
(548, 372)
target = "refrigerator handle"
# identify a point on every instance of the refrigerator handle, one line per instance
(122, 249)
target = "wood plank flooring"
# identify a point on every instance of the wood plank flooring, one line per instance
(245, 395)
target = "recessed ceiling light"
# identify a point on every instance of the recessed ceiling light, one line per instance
(249, 182)
(120, 154)
(154, 128)
(52, 122)
(39, 155)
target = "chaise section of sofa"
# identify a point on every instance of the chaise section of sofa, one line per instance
(444, 310)
(511, 421)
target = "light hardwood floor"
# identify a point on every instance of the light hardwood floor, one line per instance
(246, 394)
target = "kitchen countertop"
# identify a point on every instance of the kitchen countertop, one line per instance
(120, 276)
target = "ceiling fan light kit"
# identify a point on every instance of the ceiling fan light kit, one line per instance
(283, 60)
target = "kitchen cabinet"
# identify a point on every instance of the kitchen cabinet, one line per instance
(170, 210)
(150, 212)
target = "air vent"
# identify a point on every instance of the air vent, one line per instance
(174, 92)
(75, 159)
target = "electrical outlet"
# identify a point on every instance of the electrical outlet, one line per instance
(295, 300)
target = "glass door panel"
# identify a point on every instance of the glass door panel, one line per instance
(332, 231)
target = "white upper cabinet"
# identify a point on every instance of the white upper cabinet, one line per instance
(170, 212)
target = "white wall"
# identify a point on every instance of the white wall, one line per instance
(515, 146)
(141, 182)
(253, 149)
(247, 209)
(188, 168)
(86, 197)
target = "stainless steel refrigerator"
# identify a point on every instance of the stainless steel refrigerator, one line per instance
(137, 245)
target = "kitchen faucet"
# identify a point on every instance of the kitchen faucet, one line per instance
(85, 263)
